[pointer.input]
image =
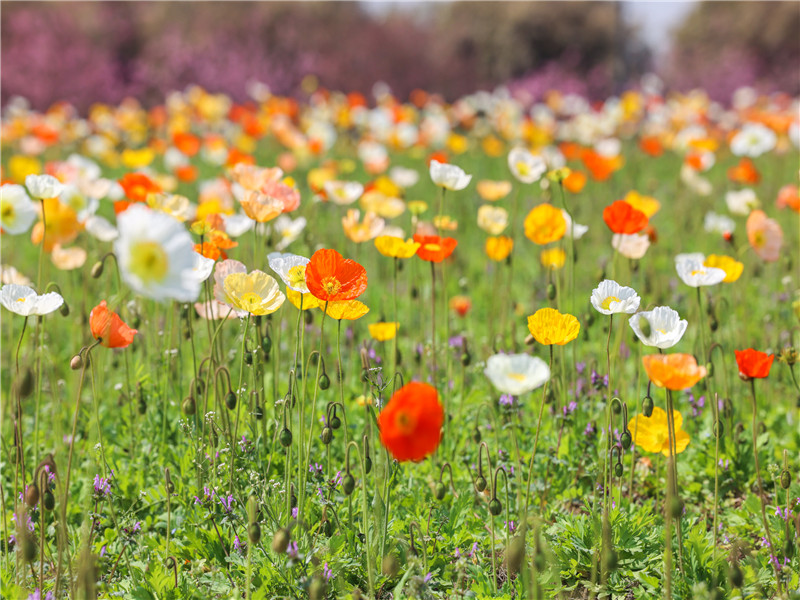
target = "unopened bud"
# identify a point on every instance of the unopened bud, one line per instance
(280, 541)
(76, 362)
(97, 269)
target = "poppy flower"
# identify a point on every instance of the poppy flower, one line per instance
(651, 145)
(753, 364)
(652, 433)
(745, 172)
(621, 217)
(449, 176)
(545, 224)
(516, 374)
(411, 422)
(394, 247)
(254, 292)
(24, 301)
(491, 191)
(498, 248)
(610, 298)
(461, 305)
(575, 181)
(137, 186)
(673, 371)
(661, 327)
(362, 231)
(108, 328)
(330, 277)
(548, 326)
(647, 204)
(434, 248)
(732, 267)
(765, 236)
(526, 167)
(789, 195)
(382, 331)
(492, 219)
(348, 310)
(553, 258)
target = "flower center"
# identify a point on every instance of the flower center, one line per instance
(149, 261)
(251, 301)
(331, 285)
(405, 422)
(606, 304)
(517, 376)
(697, 272)
(23, 299)
(433, 247)
(523, 168)
(297, 276)
(7, 211)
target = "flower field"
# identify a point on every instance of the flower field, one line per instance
(361, 347)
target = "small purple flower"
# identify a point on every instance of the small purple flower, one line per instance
(580, 367)
(457, 341)
(428, 577)
(227, 503)
(473, 550)
(507, 400)
(292, 550)
(326, 572)
(102, 486)
(237, 545)
(457, 554)
(570, 408)
(294, 512)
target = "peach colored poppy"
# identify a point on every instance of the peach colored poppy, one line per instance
(673, 371)
(765, 236)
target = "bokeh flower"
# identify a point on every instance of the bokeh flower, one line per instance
(516, 374)
(765, 236)
(24, 301)
(449, 176)
(545, 224)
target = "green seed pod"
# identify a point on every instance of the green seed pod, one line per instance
(367, 464)
(616, 406)
(285, 437)
(466, 359)
(644, 325)
(97, 270)
(64, 310)
(735, 576)
(440, 490)
(495, 508)
(280, 541)
(266, 344)
(324, 381)
(389, 566)
(476, 435)
(480, 483)
(348, 484)
(248, 357)
(188, 406)
(254, 533)
(25, 385)
(28, 546)
(49, 500)
(230, 400)
(32, 495)
(551, 291)
(327, 435)
(610, 559)
(647, 406)
(626, 439)
(786, 479)
(336, 422)
(676, 507)
(618, 469)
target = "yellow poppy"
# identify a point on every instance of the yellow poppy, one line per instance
(381, 204)
(498, 248)
(256, 292)
(136, 159)
(445, 222)
(386, 186)
(545, 224)
(348, 310)
(554, 258)
(457, 144)
(733, 268)
(309, 301)
(20, 166)
(648, 205)
(652, 434)
(492, 146)
(395, 247)
(382, 331)
(417, 207)
(548, 326)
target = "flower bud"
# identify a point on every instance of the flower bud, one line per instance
(647, 406)
(25, 385)
(466, 359)
(188, 406)
(324, 381)
(480, 483)
(49, 500)
(786, 479)
(626, 439)
(327, 435)
(676, 507)
(280, 541)
(367, 464)
(390, 566)
(64, 310)
(76, 362)
(515, 553)
(230, 400)
(440, 490)
(551, 291)
(254, 533)
(285, 437)
(32, 495)
(266, 345)
(618, 469)
(616, 406)
(97, 269)
(336, 422)
(495, 507)
(348, 484)
(735, 576)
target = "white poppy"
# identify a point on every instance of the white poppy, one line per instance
(632, 245)
(526, 167)
(742, 202)
(661, 327)
(100, 228)
(291, 268)
(574, 230)
(156, 255)
(721, 224)
(403, 177)
(17, 210)
(288, 230)
(43, 186)
(449, 176)
(24, 301)
(221, 271)
(343, 192)
(516, 374)
(9, 274)
(237, 224)
(611, 298)
(492, 219)
(694, 273)
(753, 139)
(202, 267)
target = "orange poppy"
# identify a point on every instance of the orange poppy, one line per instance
(570, 150)
(330, 277)
(575, 181)
(651, 145)
(600, 167)
(498, 248)
(108, 328)
(438, 157)
(753, 364)
(622, 218)
(673, 371)
(745, 172)
(137, 186)
(461, 305)
(411, 422)
(186, 173)
(187, 143)
(434, 248)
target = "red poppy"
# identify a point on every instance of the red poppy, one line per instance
(434, 248)
(411, 422)
(745, 172)
(187, 143)
(108, 328)
(332, 278)
(137, 186)
(651, 145)
(621, 217)
(753, 364)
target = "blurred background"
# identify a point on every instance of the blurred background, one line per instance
(85, 52)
